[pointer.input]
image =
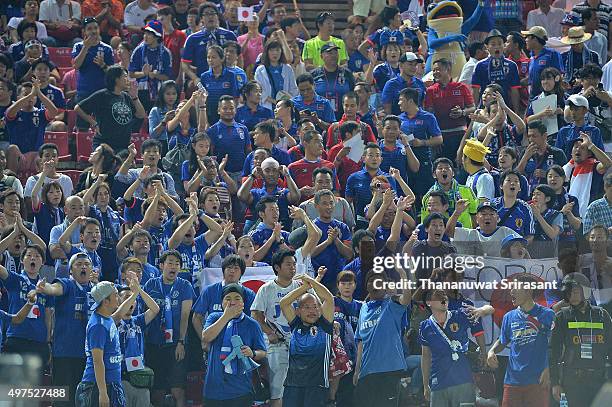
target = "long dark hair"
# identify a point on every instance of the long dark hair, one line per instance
(160, 103)
(265, 59)
(109, 159)
(295, 112)
(193, 157)
(558, 89)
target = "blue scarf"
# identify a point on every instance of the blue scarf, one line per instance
(569, 63)
(230, 349)
(166, 324)
(134, 359)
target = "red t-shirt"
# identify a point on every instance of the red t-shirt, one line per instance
(440, 100)
(301, 172)
(367, 137)
(347, 166)
(175, 42)
(523, 70)
(297, 153)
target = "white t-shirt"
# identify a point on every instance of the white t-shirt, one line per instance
(485, 187)
(50, 11)
(135, 16)
(267, 300)
(304, 265)
(64, 181)
(42, 30)
(472, 241)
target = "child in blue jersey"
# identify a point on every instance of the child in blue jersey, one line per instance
(346, 310)
(447, 374)
(131, 337)
(360, 236)
(229, 384)
(181, 125)
(192, 170)
(133, 211)
(156, 222)
(211, 300)
(307, 382)
(380, 355)
(20, 316)
(526, 331)
(31, 336)
(101, 380)
(42, 71)
(396, 150)
(25, 125)
(72, 311)
(232, 51)
(165, 338)
(193, 249)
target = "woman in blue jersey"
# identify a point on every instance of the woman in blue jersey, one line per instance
(275, 75)
(188, 120)
(287, 116)
(548, 222)
(163, 111)
(552, 84)
(566, 204)
(391, 48)
(218, 81)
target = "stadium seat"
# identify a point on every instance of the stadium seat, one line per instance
(74, 175)
(61, 56)
(71, 117)
(84, 141)
(62, 141)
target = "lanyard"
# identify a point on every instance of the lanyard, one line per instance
(454, 345)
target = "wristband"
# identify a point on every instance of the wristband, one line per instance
(136, 98)
(31, 303)
(181, 341)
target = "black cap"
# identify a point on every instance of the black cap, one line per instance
(329, 47)
(232, 288)
(493, 34)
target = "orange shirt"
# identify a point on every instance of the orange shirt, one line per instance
(91, 8)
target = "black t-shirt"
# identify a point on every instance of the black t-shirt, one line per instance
(427, 254)
(309, 353)
(115, 116)
(21, 68)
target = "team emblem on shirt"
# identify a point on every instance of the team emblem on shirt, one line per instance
(35, 119)
(454, 327)
(456, 93)
(240, 134)
(518, 222)
(313, 331)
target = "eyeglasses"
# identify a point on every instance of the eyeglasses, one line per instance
(209, 13)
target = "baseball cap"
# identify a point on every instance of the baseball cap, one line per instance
(572, 19)
(155, 27)
(508, 240)
(298, 237)
(330, 46)
(75, 257)
(485, 205)
(494, 34)
(577, 100)
(537, 31)
(391, 37)
(409, 57)
(101, 291)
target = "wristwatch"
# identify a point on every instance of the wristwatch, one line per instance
(181, 341)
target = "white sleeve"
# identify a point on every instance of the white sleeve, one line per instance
(18, 187)
(14, 22)
(29, 186)
(129, 18)
(259, 303)
(66, 183)
(466, 74)
(76, 10)
(486, 187)
(43, 11)
(42, 31)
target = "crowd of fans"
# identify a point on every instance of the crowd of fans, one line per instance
(269, 146)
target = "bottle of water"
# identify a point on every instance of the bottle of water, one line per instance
(563, 401)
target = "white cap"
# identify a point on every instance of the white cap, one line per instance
(578, 100)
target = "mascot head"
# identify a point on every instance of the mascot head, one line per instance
(445, 9)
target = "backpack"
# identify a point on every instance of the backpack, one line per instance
(173, 162)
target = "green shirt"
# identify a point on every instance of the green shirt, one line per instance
(312, 50)
(456, 192)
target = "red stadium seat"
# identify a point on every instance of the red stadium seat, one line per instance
(84, 141)
(61, 56)
(63, 71)
(61, 140)
(74, 175)
(71, 117)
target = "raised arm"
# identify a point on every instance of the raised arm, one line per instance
(326, 297)
(54, 290)
(244, 192)
(451, 224)
(294, 192)
(32, 237)
(64, 240)
(286, 303)
(312, 231)
(88, 198)
(214, 249)
(22, 314)
(380, 213)
(179, 233)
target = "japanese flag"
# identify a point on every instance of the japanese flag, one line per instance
(245, 14)
(168, 335)
(34, 312)
(134, 363)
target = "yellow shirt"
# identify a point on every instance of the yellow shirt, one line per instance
(312, 50)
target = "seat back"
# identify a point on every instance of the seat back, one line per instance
(84, 141)
(61, 56)
(62, 140)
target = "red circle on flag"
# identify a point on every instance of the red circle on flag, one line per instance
(166, 335)
(36, 311)
(134, 362)
(245, 13)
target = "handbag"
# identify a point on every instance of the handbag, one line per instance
(142, 379)
(340, 364)
(64, 33)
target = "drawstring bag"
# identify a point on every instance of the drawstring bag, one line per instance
(142, 379)
(340, 363)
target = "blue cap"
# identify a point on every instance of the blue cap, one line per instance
(572, 19)
(391, 37)
(155, 27)
(486, 204)
(508, 240)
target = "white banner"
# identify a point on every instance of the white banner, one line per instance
(497, 269)
(253, 278)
